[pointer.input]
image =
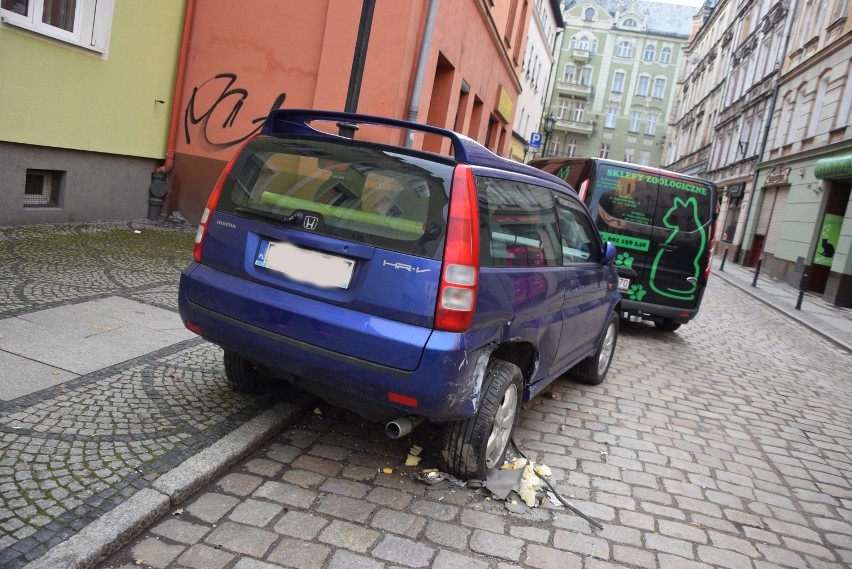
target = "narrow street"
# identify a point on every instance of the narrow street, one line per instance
(725, 444)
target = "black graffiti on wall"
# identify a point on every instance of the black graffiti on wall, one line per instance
(213, 110)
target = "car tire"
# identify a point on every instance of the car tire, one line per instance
(478, 444)
(243, 376)
(593, 370)
(667, 325)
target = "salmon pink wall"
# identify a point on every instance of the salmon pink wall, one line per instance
(246, 58)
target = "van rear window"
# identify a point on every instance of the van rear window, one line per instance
(627, 197)
(368, 193)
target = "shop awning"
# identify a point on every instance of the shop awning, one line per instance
(834, 168)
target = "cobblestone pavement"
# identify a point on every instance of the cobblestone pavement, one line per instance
(726, 444)
(71, 452)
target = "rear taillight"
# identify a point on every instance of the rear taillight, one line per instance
(211, 204)
(457, 293)
(584, 187)
(712, 242)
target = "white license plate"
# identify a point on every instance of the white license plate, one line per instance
(623, 284)
(303, 265)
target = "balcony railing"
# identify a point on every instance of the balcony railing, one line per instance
(579, 127)
(574, 89)
(581, 55)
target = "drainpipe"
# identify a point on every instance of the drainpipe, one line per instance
(158, 189)
(788, 30)
(422, 60)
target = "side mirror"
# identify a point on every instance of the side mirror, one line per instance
(609, 253)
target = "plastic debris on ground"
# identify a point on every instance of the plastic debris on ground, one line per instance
(518, 483)
(413, 458)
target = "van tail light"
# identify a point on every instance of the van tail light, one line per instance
(712, 243)
(460, 272)
(211, 204)
(584, 187)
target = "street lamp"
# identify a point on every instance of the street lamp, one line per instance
(549, 121)
(526, 151)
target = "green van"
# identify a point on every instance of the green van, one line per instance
(663, 226)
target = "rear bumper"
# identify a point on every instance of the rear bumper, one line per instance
(445, 384)
(648, 311)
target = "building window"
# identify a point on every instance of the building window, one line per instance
(604, 153)
(594, 48)
(586, 76)
(84, 23)
(629, 23)
(570, 74)
(611, 116)
(584, 43)
(624, 49)
(650, 52)
(41, 188)
(628, 154)
(571, 147)
(651, 128)
(589, 15)
(659, 88)
(618, 82)
(635, 121)
(645, 158)
(579, 111)
(666, 55)
(643, 85)
(563, 108)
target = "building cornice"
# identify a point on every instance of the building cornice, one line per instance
(817, 59)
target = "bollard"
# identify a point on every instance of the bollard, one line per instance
(803, 285)
(756, 272)
(724, 258)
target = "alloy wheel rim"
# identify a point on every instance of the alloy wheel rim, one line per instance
(607, 348)
(504, 419)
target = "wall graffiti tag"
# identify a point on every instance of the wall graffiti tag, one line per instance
(214, 109)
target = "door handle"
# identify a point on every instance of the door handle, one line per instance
(574, 285)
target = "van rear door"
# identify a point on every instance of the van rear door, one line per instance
(678, 256)
(661, 224)
(624, 205)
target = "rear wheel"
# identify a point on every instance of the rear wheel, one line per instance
(592, 371)
(243, 375)
(667, 325)
(475, 445)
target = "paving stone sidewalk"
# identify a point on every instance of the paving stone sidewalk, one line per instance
(73, 451)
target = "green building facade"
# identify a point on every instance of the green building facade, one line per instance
(614, 79)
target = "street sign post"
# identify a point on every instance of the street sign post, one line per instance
(535, 141)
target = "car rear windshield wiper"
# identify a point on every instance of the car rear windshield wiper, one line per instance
(295, 217)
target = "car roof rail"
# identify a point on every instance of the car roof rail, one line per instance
(465, 150)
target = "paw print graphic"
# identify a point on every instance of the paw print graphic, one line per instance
(636, 292)
(624, 260)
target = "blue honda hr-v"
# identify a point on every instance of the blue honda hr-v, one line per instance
(443, 283)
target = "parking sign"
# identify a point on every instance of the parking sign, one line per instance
(535, 140)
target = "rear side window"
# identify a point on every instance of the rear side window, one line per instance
(626, 199)
(518, 226)
(363, 192)
(578, 238)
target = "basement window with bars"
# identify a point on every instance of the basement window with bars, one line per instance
(42, 188)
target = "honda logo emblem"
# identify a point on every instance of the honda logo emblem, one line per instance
(310, 222)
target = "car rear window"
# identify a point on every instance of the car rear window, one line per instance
(363, 192)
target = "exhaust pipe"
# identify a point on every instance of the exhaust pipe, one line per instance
(402, 426)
